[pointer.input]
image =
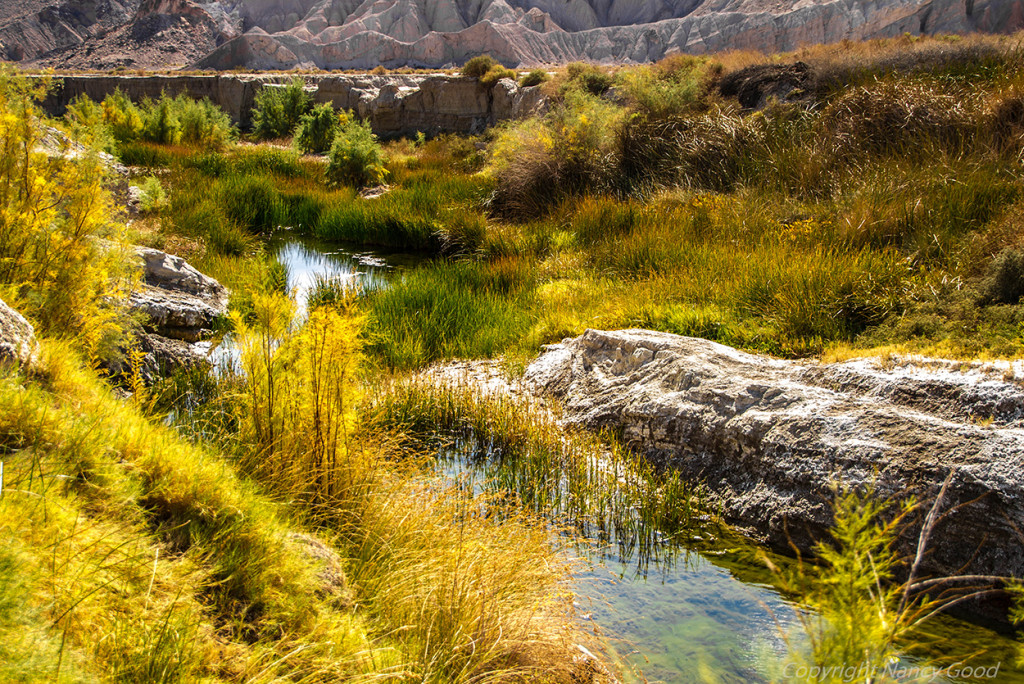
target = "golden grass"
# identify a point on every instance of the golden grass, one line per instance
(138, 556)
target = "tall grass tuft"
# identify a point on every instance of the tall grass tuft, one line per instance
(450, 310)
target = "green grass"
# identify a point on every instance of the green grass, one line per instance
(450, 310)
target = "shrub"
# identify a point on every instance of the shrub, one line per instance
(277, 109)
(52, 210)
(122, 116)
(570, 152)
(664, 90)
(86, 122)
(534, 78)
(160, 121)
(317, 129)
(587, 77)
(203, 123)
(154, 197)
(1004, 280)
(356, 157)
(495, 74)
(166, 121)
(478, 66)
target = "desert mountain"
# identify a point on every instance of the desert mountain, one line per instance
(330, 34)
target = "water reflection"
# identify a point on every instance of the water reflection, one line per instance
(306, 260)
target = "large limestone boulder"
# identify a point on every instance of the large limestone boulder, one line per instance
(771, 437)
(18, 343)
(176, 300)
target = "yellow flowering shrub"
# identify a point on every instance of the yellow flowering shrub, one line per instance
(60, 263)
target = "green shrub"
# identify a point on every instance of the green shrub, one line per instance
(277, 109)
(659, 92)
(478, 66)
(1004, 279)
(86, 121)
(588, 77)
(203, 123)
(495, 74)
(317, 129)
(356, 157)
(118, 122)
(160, 121)
(534, 78)
(536, 163)
(154, 197)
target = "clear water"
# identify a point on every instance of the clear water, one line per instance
(307, 259)
(706, 609)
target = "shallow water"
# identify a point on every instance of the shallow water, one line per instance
(706, 609)
(307, 259)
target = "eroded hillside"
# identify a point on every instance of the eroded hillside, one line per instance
(330, 34)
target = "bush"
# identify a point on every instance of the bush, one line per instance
(495, 74)
(203, 123)
(118, 122)
(53, 267)
(534, 78)
(160, 121)
(356, 157)
(1004, 280)
(478, 66)
(317, 129)
(277, 109)
(588, 77)
(665, 89)
(569, 152)
(154, 197)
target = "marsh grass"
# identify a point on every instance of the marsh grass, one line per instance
(587, 483)
(450, 310)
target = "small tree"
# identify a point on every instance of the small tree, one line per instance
(277, 109)
(356, 158)
(317, 129)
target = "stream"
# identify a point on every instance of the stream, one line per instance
(706, 608)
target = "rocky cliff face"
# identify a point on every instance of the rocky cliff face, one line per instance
(770, 437)
(332, 34)
(394, 104)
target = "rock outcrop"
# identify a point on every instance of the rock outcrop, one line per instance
(18, 343)
(397, 104)
(176, 300)
(332, 34)
(770, 437)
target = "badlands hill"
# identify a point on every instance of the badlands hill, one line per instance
(331, 34)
